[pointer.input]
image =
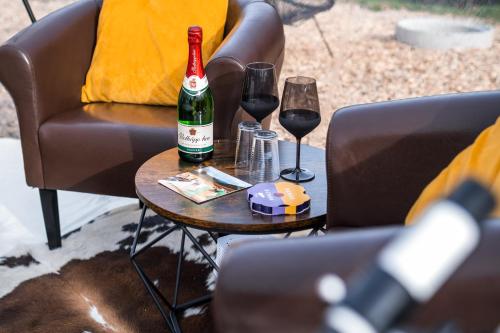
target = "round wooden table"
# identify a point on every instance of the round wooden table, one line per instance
(229, 214)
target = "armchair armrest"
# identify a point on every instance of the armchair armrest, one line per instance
(254, 32)
(381, 156)
(270, 286)
(43, 67)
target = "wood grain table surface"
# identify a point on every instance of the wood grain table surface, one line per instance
(230, 213)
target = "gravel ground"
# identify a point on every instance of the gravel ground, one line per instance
(367, 64)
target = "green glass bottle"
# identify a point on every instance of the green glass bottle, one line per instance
(195, 107)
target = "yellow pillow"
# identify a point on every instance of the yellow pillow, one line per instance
(142, 50)
(480, 160)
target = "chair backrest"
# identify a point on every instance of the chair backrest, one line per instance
(380, 156)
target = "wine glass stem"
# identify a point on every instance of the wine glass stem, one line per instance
(297, 162)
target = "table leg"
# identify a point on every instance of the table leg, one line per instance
(214, 236)
(200, 248)
(314, 232)
(179, 269)
(169, 314)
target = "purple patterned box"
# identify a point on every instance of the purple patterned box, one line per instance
(278, 199)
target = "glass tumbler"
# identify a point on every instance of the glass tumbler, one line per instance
(244, 141)
(264, 158)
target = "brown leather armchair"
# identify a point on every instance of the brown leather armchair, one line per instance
(97, 148)
(379, 158)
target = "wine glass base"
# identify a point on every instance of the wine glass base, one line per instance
(297, 176)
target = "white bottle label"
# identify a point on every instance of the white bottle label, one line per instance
(195, 139)
(194, 85)
(431, 249)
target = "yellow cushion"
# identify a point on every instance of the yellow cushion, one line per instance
(142, 50)
(480, 160)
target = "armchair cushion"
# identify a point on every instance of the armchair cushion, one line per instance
(141, 52)
(98, 148)
(480, 160)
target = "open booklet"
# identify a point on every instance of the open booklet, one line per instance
(204, 184)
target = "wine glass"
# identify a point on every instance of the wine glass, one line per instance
(299, 115)
(260, 90)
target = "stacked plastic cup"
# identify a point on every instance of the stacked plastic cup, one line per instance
(244, 143)
(264, 157)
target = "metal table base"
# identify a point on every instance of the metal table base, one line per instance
(170, 309)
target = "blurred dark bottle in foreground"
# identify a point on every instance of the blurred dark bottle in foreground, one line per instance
(413, 266)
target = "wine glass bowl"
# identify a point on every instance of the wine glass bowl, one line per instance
(299, 115)
(260, 90)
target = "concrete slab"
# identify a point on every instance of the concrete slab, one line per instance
(444, 34)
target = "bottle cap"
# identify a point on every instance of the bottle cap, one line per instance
(474, 198)
(195, 35)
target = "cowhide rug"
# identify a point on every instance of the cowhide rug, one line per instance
(89, 285)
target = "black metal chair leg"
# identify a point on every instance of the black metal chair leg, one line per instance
(51, 217)
(29, 11)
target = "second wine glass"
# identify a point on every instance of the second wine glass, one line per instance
(260, 90)
(299, 114)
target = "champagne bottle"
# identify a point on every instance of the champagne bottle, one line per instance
(195, 107)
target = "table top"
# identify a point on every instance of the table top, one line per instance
(230, 213)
